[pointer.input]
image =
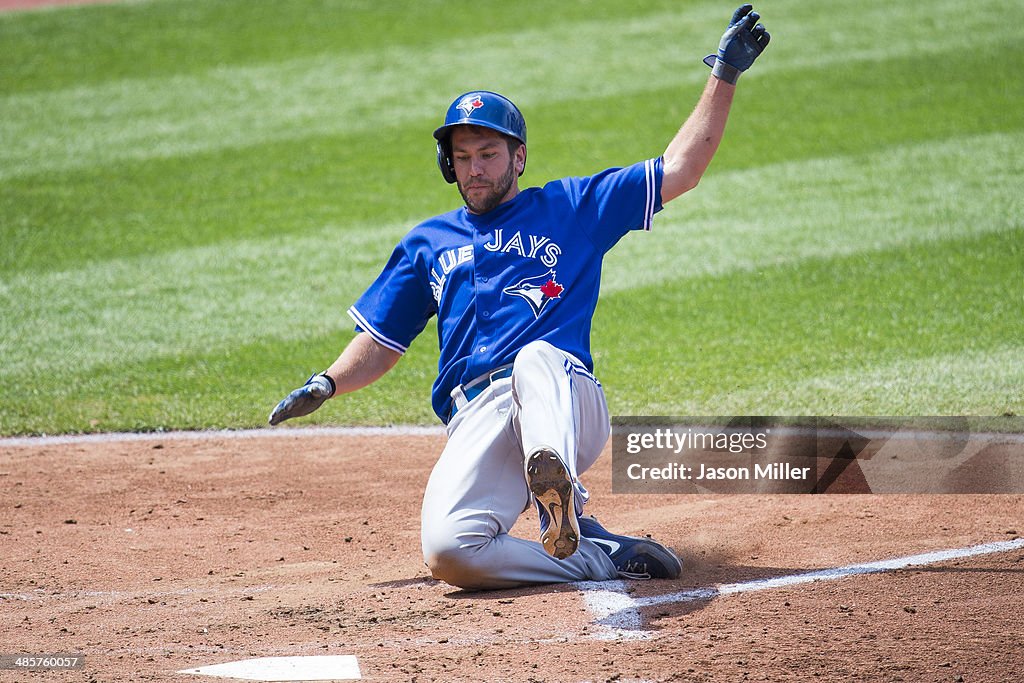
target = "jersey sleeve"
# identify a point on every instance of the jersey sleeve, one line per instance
(397, 306)
(615, 201)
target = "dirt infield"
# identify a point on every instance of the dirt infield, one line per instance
(153, 556)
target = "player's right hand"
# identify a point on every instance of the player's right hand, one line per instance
(304, 400)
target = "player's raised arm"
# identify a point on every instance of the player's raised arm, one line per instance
(363, 362)
(691, 150)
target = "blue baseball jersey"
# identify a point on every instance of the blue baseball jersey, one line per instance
(527, 270)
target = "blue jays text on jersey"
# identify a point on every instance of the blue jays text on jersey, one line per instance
(527, 270)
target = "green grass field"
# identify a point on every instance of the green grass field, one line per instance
(193, 192)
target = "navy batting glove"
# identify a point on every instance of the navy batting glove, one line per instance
(741, 44)
(304, 400)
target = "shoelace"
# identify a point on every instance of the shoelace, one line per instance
(634, 569)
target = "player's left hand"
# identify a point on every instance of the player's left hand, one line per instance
(304, 400)
(741, 44)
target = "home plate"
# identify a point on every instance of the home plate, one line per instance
(317, 668)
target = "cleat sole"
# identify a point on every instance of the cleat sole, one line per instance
(550, 484)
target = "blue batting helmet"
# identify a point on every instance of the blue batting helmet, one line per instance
(477, 108)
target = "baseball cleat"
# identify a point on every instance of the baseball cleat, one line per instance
(634, 558)
(555, 496)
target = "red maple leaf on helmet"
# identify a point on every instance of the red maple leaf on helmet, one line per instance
(551, 289)
(469, 104)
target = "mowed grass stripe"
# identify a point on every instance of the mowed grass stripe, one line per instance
(192, 299)
(752, 343)
(69, 220)
(213, 297)
(233, 388)
(331, 93)
(242, 105)
(140, 39)
(756, 334)
(744, 220)
(55, 221)
(972, 382)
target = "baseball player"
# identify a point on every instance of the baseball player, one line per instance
(513, 278)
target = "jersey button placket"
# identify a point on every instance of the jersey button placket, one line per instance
(484, 308)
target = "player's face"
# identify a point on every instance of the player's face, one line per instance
(486, 172)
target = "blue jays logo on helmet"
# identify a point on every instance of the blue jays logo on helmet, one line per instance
(477, 108)
(470, 103)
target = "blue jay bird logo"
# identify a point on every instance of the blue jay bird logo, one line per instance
(537, 291)
(470, 103)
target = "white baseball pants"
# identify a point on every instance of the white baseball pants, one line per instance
(478, 489)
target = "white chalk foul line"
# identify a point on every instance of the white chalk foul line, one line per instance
(615, 612)
(301, 668)
(618, 615)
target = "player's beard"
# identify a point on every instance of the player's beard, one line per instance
(492, 199)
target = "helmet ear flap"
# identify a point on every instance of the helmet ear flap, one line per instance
(444, 160)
